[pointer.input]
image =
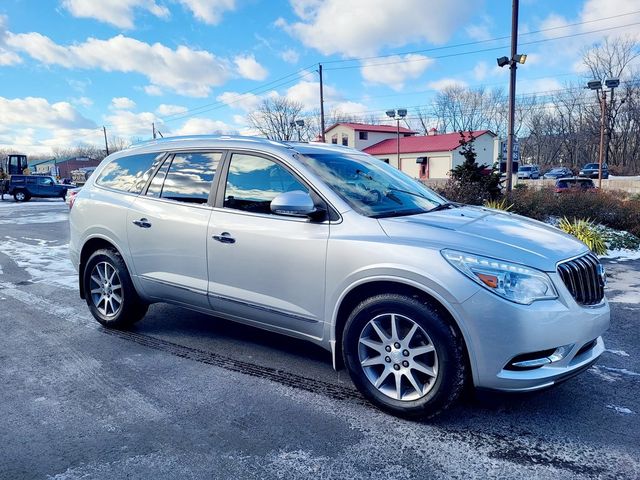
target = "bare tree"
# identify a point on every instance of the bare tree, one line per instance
(275, 118)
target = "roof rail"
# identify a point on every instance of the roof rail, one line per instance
(247, 138)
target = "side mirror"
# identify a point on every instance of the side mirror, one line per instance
(296, 204)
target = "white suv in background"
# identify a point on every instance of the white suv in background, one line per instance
(416, 295)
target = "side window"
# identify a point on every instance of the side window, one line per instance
(31, 180)
(128, 174)
(253, 182)
(155, 187)
(45, 181)
(190, 176)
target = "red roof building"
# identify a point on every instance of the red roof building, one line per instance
(362, 135)
(433, 156)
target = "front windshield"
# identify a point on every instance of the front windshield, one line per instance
(370, 186)
(525, 169)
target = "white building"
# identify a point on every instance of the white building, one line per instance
(361, 136)
(434, 155)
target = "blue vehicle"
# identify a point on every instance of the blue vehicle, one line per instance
(25, 187)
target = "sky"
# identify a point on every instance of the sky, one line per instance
(70, 67)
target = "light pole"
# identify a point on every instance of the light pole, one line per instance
(397, 115)
(297, 124)
(512, 62)
(596, 85)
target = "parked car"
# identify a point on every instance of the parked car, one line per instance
(529, 171)
(573, 184)
(415, 294)
(558, 172)
(591, 170)
(25, 187)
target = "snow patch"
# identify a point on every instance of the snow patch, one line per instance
(622, 371)
(43, 262)
(27, 219)
(623, 410)
(620, 353)
(622, 254)
(607, 377)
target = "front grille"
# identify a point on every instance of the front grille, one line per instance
(584, 278)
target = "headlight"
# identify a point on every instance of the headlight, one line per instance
(514, 282)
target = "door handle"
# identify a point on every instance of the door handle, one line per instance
(142, 223)
(224, 237)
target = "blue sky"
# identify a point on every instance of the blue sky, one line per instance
(67, 67)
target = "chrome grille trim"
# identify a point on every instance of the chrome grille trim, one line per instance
(582, 278)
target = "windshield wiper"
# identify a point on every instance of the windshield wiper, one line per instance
(443, 206)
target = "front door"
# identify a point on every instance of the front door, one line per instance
(167, 229)
(263, 267)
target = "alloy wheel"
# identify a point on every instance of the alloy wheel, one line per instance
(106, 289)
(398, 357)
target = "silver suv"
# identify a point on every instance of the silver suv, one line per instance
(413, 294)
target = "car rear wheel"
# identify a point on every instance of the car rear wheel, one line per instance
(403, 355)
(109, 291)
(21, 196)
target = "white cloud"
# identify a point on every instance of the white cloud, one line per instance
(183, 70)
(122, 103)
(554, 21)
(82, 101)
(152, 90)
(444, 83)
(35, 112)
(7, 57)
(125, 123)
(395, 70)
(249, 68)
(548, 84)
(308, 94)
(209, 11)
(165, 110)
(290, 55)
(116, 12)
(244, 101)
(204, 126)
(362, 27)
(480, 71)
(347, 108)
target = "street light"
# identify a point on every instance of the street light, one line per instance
(297, 124)
(513, 61)
(611, 84)
(397, 115)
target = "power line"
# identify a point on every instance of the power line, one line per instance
(491, 49)
(478, 42)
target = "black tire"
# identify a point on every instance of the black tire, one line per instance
(21, 196)
(131, 308)
(451, 366)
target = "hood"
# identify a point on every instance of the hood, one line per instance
(492, 233)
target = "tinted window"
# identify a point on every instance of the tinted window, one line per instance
(592, 166)
(45, 181)
(253, 182)
(190, 176)
(155, 187)
(128, 174)
(563, 184)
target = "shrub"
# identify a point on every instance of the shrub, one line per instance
(469, 182)
(498, 204)
(586, 232)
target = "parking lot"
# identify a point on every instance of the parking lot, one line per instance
(183, 395)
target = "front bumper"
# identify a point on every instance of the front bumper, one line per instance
(497, 331)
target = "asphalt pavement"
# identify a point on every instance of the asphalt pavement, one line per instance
(184, 395)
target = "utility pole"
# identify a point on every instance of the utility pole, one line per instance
(512, 91)
(603, 113)
(321, 105)
(153, 126)
(106, 145)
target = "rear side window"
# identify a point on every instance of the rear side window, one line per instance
(129, 174)
(189, 177)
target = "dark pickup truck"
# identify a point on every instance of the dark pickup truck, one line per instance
(25, 187)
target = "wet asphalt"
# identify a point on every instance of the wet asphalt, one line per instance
(184, 395)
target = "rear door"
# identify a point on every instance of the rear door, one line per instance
(167, 228)
(263, 267)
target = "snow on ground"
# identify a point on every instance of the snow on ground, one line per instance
(43, 261)
(622, 254)
(623, 410)
(33, 203)
(620, 353)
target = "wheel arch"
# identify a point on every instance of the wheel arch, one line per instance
(90, 246)
(367, 289)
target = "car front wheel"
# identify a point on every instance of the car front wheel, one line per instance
(20, 196)
(109, 291)
(403, 355)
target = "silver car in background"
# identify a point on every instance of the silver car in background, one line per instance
(414, 295)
